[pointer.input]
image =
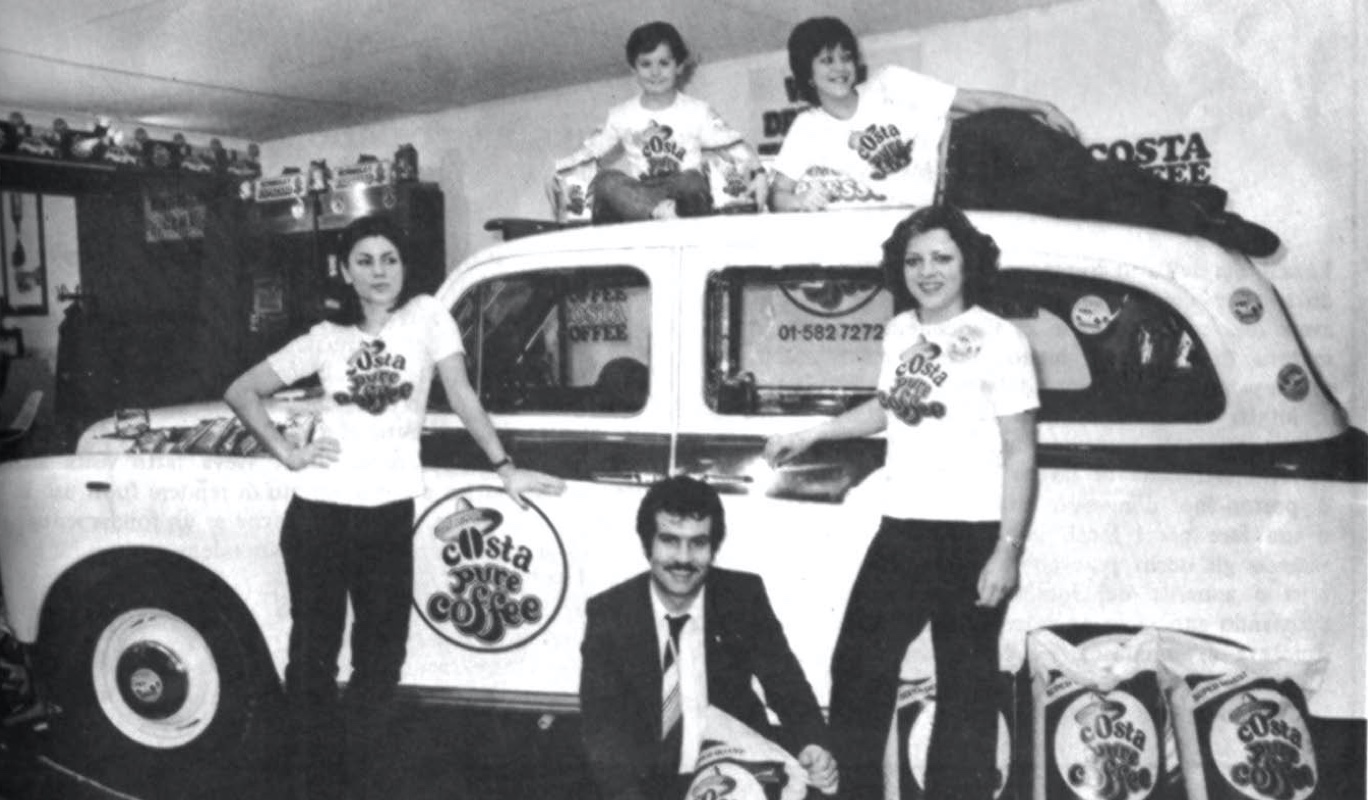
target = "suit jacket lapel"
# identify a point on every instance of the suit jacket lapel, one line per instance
(715, 628)
(641, 646)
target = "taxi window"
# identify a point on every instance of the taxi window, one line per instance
(807, 340)
(1108, 352)
(563, 340)
(794, 340)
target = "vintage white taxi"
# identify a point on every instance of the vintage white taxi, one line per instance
(1195, 473)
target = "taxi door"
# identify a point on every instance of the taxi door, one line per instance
(572, 356)
(774, 339)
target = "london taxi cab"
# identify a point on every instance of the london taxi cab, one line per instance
(1195, 473)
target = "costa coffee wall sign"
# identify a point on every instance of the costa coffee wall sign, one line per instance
(1178, 157)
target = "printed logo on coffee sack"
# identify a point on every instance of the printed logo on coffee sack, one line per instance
(1106, 747)
(733, 781)
(487, 575)
(830, 297)
(1262, 747)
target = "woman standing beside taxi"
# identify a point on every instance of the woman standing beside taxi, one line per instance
(348, 531)
(956, 397)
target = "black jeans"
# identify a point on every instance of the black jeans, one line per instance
(915, 572)
(1007, 160)
(332, 552)
(618, 197)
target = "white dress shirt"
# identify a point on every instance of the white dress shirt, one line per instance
(693, 673)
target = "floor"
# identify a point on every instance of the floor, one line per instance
(435, 753)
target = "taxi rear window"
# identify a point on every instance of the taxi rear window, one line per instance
(807, 339)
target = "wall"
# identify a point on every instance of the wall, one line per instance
(38, 368)
(63, 269)
(1275, 90)
(59, 215)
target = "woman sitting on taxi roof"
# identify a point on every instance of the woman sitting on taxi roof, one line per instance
(879, 143)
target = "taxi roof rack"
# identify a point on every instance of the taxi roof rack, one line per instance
(517, 227)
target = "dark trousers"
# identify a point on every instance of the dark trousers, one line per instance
(333, 552)
(1007, 160)
(618, 197)
(917, 572)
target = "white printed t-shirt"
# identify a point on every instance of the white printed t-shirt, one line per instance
(887, 154)
(658, 142)
(942, 387)
(375, 392)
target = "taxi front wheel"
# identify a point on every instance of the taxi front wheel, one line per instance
(157, 680)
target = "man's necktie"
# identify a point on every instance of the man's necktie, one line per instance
(671, 711)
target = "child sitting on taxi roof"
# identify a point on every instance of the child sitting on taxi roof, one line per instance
(661, 135)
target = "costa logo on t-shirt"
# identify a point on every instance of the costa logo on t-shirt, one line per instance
(375, 379)
(663, 154)
(883, 148)
(488, 575)
(919, 372)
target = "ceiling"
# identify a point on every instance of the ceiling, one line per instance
(266, 69)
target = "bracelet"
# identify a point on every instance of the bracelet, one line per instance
(506, 461)
(1012, 540)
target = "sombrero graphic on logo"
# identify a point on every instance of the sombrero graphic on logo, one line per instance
(1262, 746)
(1107, 747)
(487, 575)
(830, 298)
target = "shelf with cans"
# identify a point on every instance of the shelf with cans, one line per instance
(297, 197)
(103, 146)
(293, 224)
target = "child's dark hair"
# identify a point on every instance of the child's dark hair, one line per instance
(807, 41)
(681, 496)
(978, 250)
(349, 311)
(650, 36)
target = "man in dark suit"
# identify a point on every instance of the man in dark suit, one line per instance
(661, 647)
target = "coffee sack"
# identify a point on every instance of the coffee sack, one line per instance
(914, 717)
(570, 190)
(737, 763)
(1098, 719)
(1241, 720)
(729, 179)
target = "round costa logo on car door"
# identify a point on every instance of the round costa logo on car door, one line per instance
(830, 298)
(487, 575)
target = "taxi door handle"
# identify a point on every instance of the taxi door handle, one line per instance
(628, 477)
(722, 479)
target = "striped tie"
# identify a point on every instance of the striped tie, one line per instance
(671, 711)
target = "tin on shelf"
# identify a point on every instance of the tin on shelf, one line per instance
(406, 163)
(130, 423)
